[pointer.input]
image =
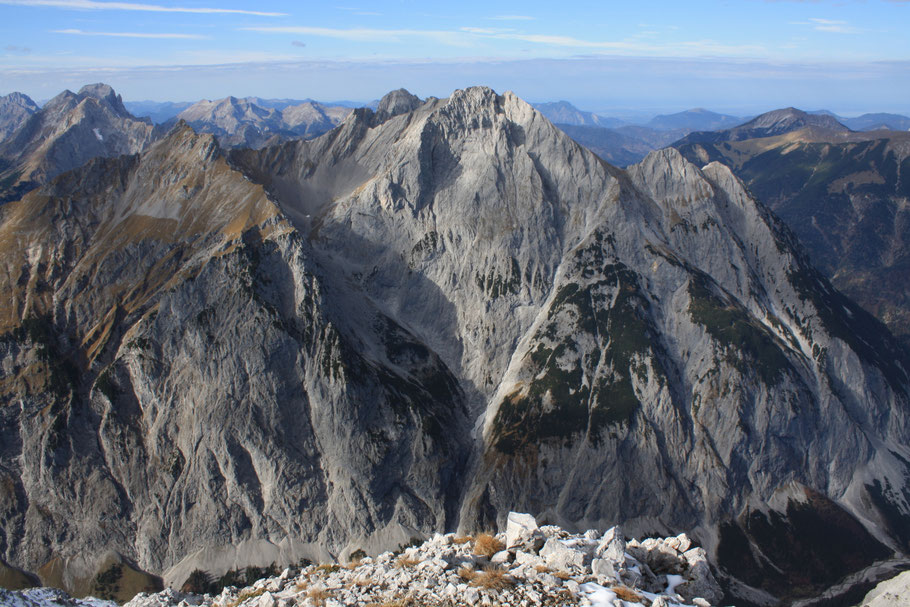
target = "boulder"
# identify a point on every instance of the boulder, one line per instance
(522, 532)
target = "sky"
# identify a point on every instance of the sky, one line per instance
(650, 56)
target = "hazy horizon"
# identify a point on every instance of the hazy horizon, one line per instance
(740, 58)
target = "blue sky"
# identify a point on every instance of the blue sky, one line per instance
(739, 56)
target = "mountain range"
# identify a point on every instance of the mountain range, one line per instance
(246, 123)
(66, 132)
(439, 311)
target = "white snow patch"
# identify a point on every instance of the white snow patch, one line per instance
(672, 582)
(97, 133)
(598, 595)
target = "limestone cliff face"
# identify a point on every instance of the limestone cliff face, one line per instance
(429, 316)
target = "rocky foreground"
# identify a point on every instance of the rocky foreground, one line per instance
(527, 565)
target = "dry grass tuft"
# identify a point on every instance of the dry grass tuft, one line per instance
(318, 595)
(458, 541)
(407, 601)
(485, 544)
(247, 594)
(404, 562)
(363, 582)
(302, 584)
(626, 594)
(561, 575)
(466, 573)
(326, 569)
(493, 578)
(542, 569)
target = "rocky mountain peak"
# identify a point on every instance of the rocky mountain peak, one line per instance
(418, 325)
(68, 131)
(61, 100)
(667, 176)
(789, 119)
(769, 124)
(106, 95)
(15, 109)
(18, 99)
(395, 103)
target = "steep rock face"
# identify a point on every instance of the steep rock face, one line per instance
(844, 199)
(15, 109)
(659, 326)
(425, 318)
(69, 130)
(175, 367)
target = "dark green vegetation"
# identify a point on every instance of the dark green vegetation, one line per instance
(107, 583)
(495, 285)
(575, 388)
(747, 343)
(201, 582)
(845, 201)
(807, 549)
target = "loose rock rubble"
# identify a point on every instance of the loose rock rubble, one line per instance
(534, 566)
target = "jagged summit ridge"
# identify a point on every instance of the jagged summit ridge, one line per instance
(106, 94)
(419, 324)
(69, 130)
(246, 123)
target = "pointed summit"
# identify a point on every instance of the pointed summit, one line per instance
(395, 103)
(106, 95)
(15, 109)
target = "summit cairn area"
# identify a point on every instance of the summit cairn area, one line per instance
(525, 566)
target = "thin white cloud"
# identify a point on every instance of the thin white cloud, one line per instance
(131, 6)
(567, 41)
(485, 30)
(469, 36)
(76, 32)
(828, 25)
(363, 34)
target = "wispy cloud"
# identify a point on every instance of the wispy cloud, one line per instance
(12, 48)
(76, 32)
(131, 6)
(471, 36)
(363, 34)
(485, 30)
(298, 43)
(828, 25)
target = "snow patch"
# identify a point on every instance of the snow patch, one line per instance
(98, 135)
